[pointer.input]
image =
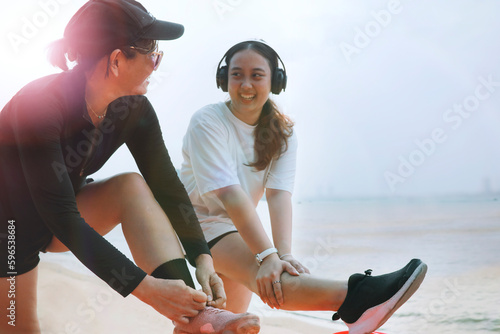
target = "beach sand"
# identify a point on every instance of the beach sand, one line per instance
(458, 240)
(71, 302)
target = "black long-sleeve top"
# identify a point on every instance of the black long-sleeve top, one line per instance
(48, 145)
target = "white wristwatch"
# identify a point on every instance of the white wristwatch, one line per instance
(261, 256)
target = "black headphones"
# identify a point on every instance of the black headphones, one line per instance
(278, 79)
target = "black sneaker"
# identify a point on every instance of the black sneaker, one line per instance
(371, 300)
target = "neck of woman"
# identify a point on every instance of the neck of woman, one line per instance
(248, 118)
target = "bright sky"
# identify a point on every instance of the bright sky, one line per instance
(389, 97)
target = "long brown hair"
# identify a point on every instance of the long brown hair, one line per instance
(271, 135)
(273, 127)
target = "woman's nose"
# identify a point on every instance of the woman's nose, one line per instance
(246, 82)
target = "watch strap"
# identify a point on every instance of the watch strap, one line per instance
(261, 256)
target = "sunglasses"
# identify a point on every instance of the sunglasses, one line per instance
(156, 56)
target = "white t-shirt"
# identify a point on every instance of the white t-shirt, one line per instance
(217, 149)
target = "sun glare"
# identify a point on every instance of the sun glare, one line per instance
(27, 28)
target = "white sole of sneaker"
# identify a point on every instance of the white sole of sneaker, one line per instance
(249, 324)
(375, 317)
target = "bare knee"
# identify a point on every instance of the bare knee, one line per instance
(130, 184)
(131, 188)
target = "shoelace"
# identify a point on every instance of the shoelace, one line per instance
(214, 310)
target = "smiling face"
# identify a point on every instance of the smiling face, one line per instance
(249, 85)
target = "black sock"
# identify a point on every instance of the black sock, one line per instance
(174, 269)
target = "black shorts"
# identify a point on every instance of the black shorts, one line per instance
(23, 234)
(212, 243)
(22, 237)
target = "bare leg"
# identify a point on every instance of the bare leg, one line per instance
(238, 295)
(126, 198)
(26, 320)
(233, 259)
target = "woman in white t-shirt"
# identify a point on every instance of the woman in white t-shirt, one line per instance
(234, 153)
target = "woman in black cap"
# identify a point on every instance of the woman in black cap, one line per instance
(59, 129)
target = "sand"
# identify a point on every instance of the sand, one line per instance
(74, 303)
(457, 239)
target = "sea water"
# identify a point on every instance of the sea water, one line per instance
(458, 238)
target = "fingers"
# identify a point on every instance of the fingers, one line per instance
(290, 269)
(269, 284)
(182, 320)
(179, 313)
(268, 296)
(278, 293)
(263, 292)
(219, 294)
(261, 289)
(300, 268)
(173, 299)
(205, 287)
(185, 308)
(199, 298)
(218, 303)
(270, 293)
(210, 282)
(296, 264)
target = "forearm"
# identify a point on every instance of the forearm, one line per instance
(280, 213)
(99, 256)
(149, 151)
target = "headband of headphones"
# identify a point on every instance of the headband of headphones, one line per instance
(278, 79)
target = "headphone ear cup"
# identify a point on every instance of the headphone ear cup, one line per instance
(221, 78)
(278, 81)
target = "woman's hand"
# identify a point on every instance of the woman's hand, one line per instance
(296, 264)
(210, 282)
(172, 298)
(269, 280)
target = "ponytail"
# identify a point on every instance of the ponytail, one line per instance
(57, 52)
(271, 135)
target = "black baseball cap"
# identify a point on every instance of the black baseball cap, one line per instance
(100, 26)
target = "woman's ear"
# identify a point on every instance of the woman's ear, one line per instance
(114, 61)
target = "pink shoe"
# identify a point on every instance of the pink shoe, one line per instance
(216, 321)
